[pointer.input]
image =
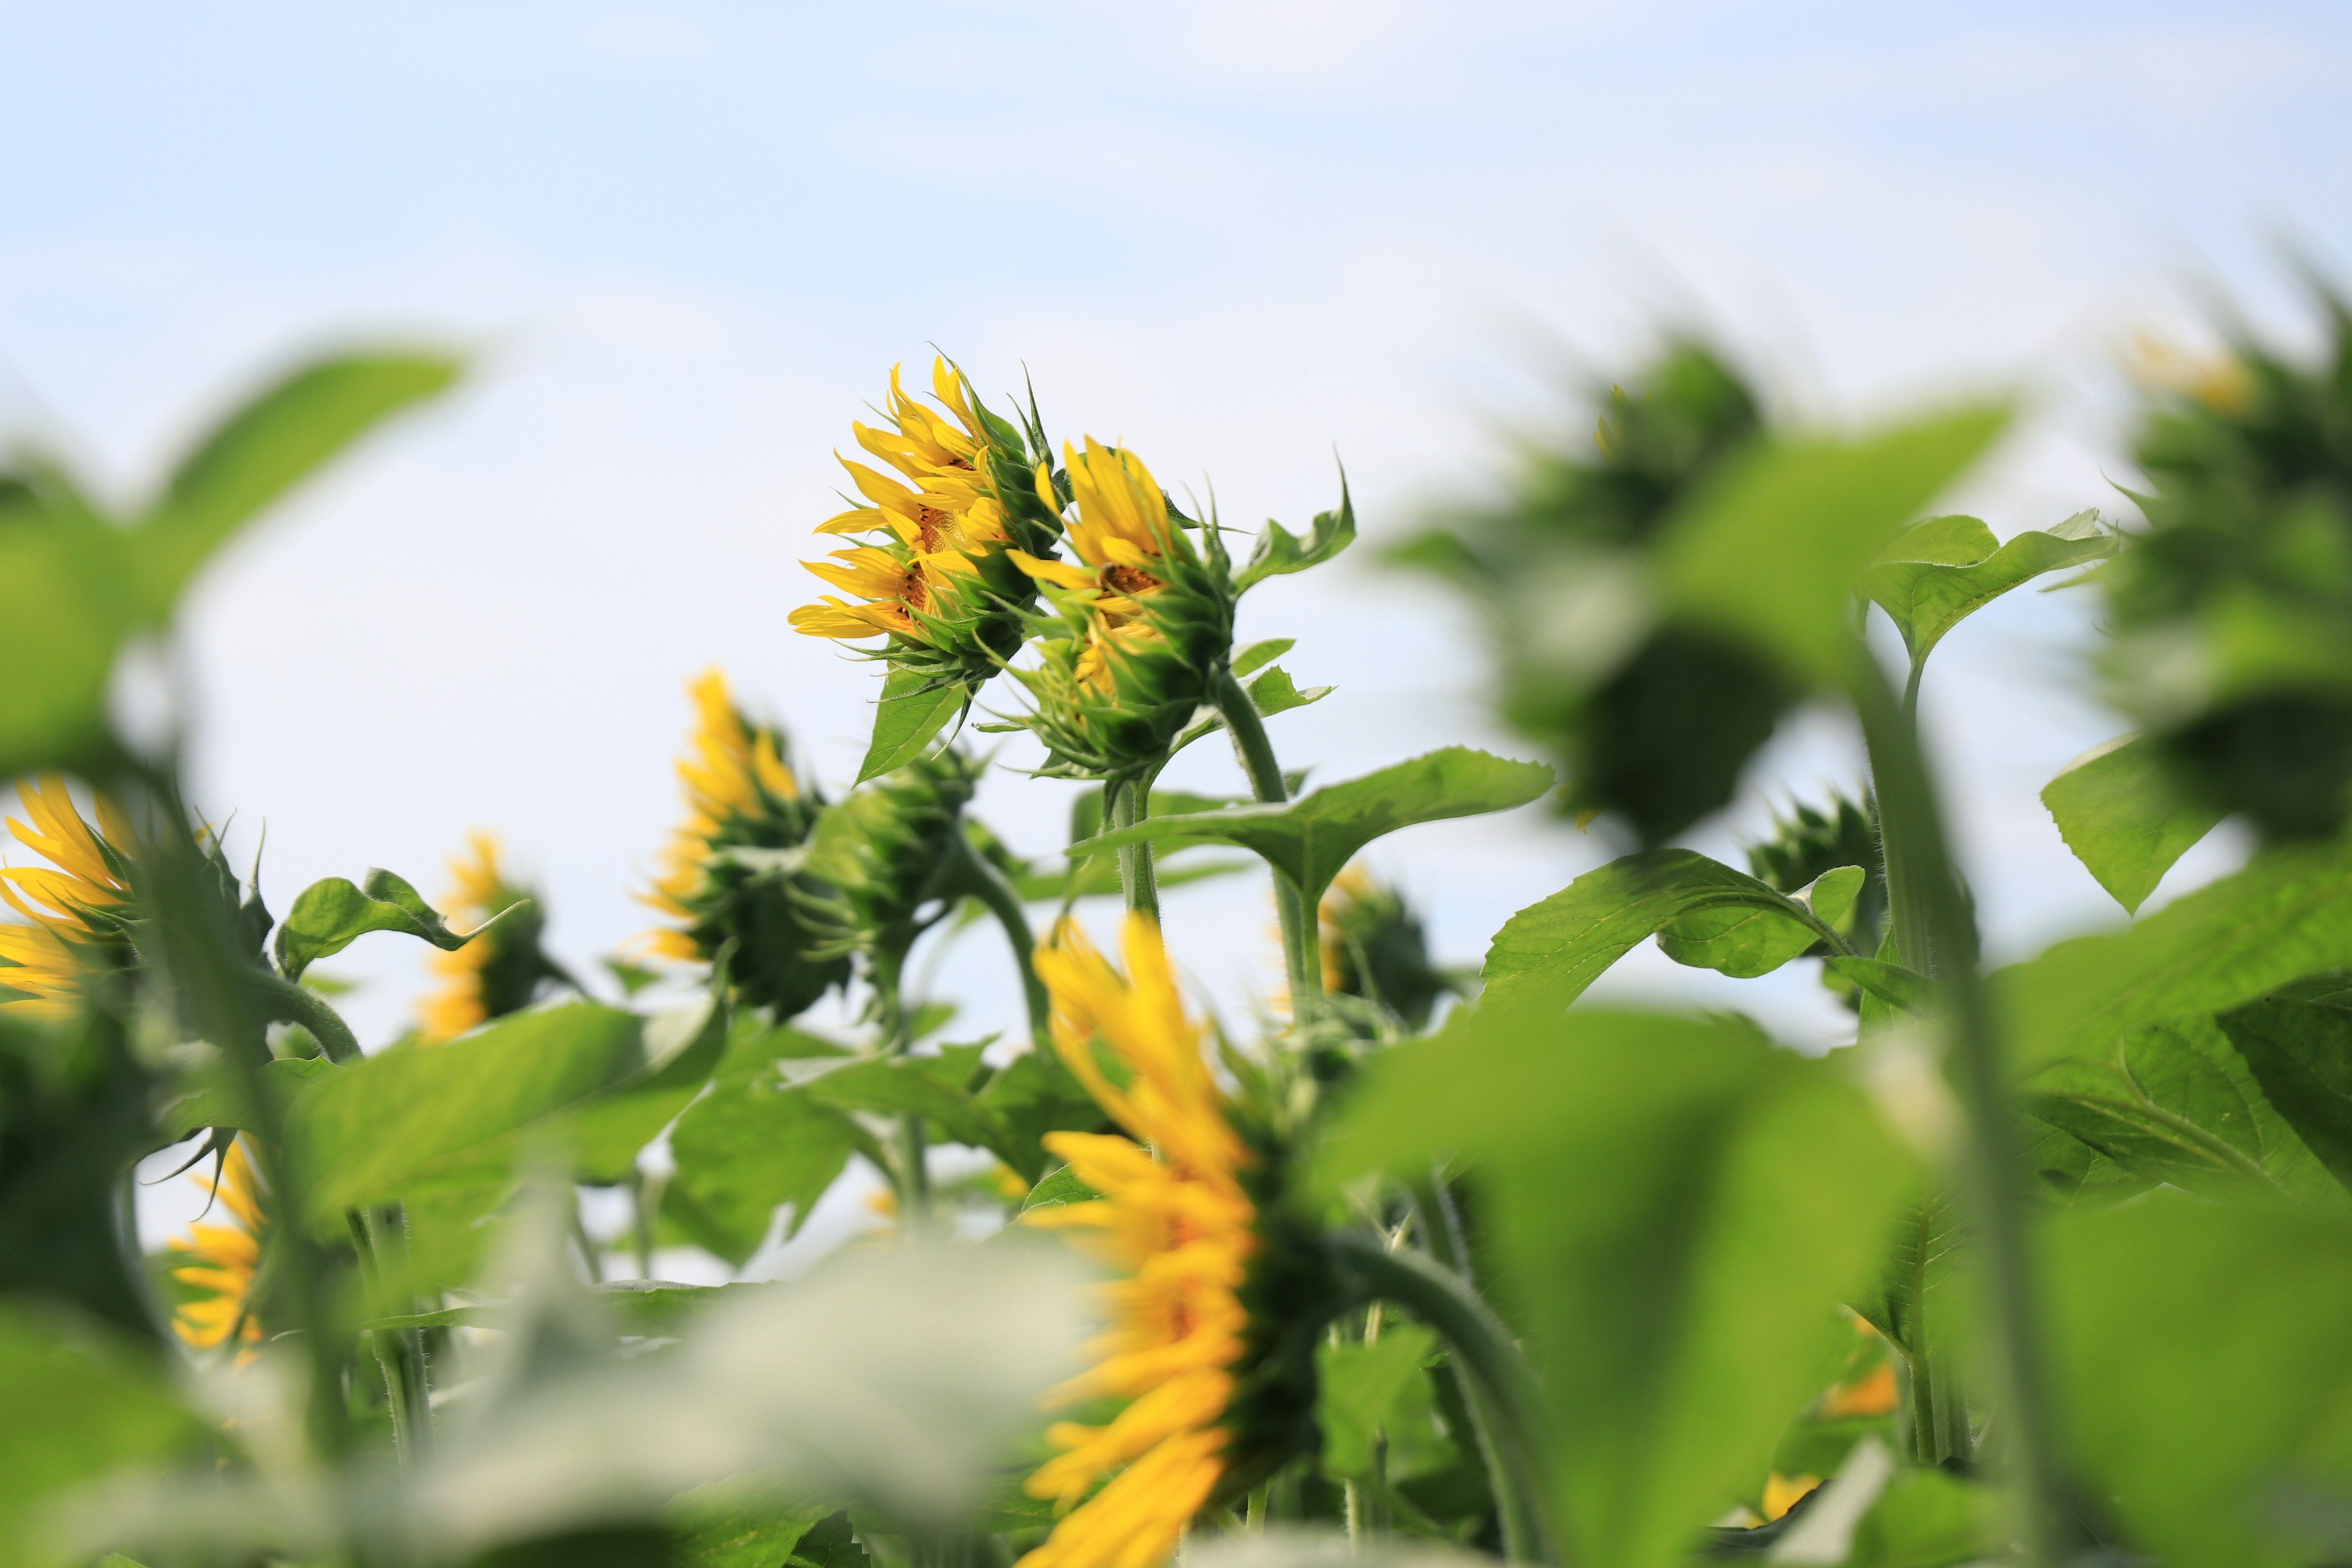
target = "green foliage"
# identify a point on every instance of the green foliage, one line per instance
(331, 914)
(1310, 839)
(912, 709)
(1936, 574)
(1727, 1195)
(2125, 818)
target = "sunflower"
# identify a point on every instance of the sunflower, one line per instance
(931, 573)
(223, 1261)
(75, 904)
(1215, 1393)
(498, 972)
(729, 871)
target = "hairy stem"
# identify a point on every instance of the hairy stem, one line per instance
(1936, 932)
(1302, 962)
(988, 885)
(1485, 1352)
(284, 1001)
(1130, 803)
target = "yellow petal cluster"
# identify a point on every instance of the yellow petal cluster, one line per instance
(726, 767)
(40, 959)
(222, 1261)
(478, 888)
(1123, 535)
(1177, 1226)
(934, 515)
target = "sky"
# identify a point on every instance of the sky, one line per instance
(681, 246)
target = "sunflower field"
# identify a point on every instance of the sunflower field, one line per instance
(2045, 1263)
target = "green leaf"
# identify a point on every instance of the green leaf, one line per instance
(743, 1150)
(81, 1406)
(219, 1100)
(1771, 549)
(1279, 550)
(721, 1526)
(1676, 1207)
(1030, 1096)
(2121, 812)
(415, 1118)
(1560, 946)
(935, 1087)
(1310, 840)
(1942, 571)
(66, 604)
(680, 1051)
(1918, 1297)
(1925, 1518)
(1364, 1391)
(1886, 983)
(2206, 1372)
(1744, 941)
(1273, 693)
(914, 708)
(266, 447)
(1258, 654)
(328, 916)
(2297, 1044)
(2286, 915)
(1060, 1185)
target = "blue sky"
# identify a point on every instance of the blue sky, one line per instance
(685, 243)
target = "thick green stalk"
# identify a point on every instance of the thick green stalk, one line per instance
(1935, 932)
(1485, 1350)
(1301, 961)
(1130, 803)
(286, 1002)
(988, 885)
(914, 1143)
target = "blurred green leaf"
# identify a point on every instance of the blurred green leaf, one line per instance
(268, 446)
(913, 710)
(1927, 1519)
(1310, 840)
(2297, 1044)
(1885, 984)
(1938, 573)
(66, 605)
(935, 1087)
(1030, 1096)
(1562, 945)
(681, 1050)
(331, 914)
(743, 1150)
(1258, 654)
(712, 1527)
(417, 1117)
(2286, 915)
(218, 1099)
(79, 1406)
(2198, 1400)
(1380, 1390)
(1677, 1206)
(1744, 941)
(1273, 693)
(2125, 817)
(1773, 546)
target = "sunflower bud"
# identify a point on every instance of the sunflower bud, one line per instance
(77, 910)
(733, 870)
(2233, 612)
(1374, 948)
(502, 969)
(886, 856)
(934, 573)
(1138, 628)
(1812, 840)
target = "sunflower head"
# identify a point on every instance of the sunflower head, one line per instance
(929, 571)
(1205, 1376)
(1374, 948)
(1134, 633)
(732, 871)
(502, 969)
(77, 911)
(219, 1260)
(2233, 612)
(884, 856)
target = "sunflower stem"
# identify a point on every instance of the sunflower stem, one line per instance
(987, 884)
(1130, 803)
(1485, 1352)
(914, 1165)
(1302, 962)
(1935, 931)
(285, 1001)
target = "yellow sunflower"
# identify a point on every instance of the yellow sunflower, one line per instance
(733, 770)
(479, 891)
(223, 1261)
(1124, 536)
(934, 519)
(1176, 1221)
(66, 902)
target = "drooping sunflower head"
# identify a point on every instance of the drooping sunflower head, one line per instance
(883, 857)
(1375, 948)
(729, 871)
(1135, 633)
(76, 909)
(1205, 1376)
(220, 1260)
(501, 971)
(2233, 611)
(931, 573)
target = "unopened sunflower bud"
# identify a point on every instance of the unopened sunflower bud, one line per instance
(503, 969)
(886, 856)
